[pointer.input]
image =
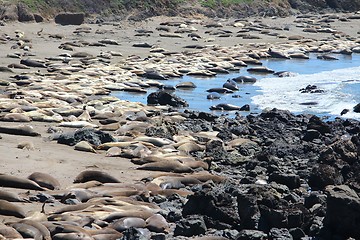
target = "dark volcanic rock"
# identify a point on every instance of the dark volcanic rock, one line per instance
(95, 137)
(215, 204)
(191, 226)
(290, 180)
(357, 108)
(70, 18)
(343, 211)
(280, 234)
(248, 211)
(323, 175)
(24, 14)
(165, 98)
(251, 235)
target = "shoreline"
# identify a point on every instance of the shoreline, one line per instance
(275, 146)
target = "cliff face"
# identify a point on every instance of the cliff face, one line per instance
(313, 5)
(138, 10)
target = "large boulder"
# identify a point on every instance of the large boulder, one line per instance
(95, 137)
(24, 13)
(165, 98)
(343, 211)
(70, 18)
(357, 108)
(9, 12)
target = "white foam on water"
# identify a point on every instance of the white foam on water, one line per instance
(283, 93)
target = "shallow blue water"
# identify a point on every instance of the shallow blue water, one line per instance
(270, 91)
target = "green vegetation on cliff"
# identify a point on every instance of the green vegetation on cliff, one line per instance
(221, 8)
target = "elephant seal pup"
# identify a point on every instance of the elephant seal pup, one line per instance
(24, 130)
(10, 209)
(45, 180)
(16, 182)
(90, 175)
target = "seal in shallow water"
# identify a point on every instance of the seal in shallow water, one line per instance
(225, 106)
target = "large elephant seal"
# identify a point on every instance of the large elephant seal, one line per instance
(24, 130)
(16, 182)
(90, 175)
(10, 209)
(45, 180)
(42, 229)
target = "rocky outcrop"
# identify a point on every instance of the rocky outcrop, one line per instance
(343, 211)
(19, 12)
(311, 5)
(70, 18)
(166, 98)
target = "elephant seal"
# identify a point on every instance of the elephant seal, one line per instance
(277, 54)
(9, 232)
(230, 84)
(10, 196)
(45, 180)
(16, 182)
(125, 223)
(15, 117)
(24, 130)
(72, 236)
(157, 223)
(166, 166)
(244, 79)
(213, 95)
(220, 90)
(225, 106)
(32, 63)
(42, 229)
(90, 175)
(260, 70)
(27, 231)
(10, 209)
(185, 85)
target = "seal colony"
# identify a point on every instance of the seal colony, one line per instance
(78, 163)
